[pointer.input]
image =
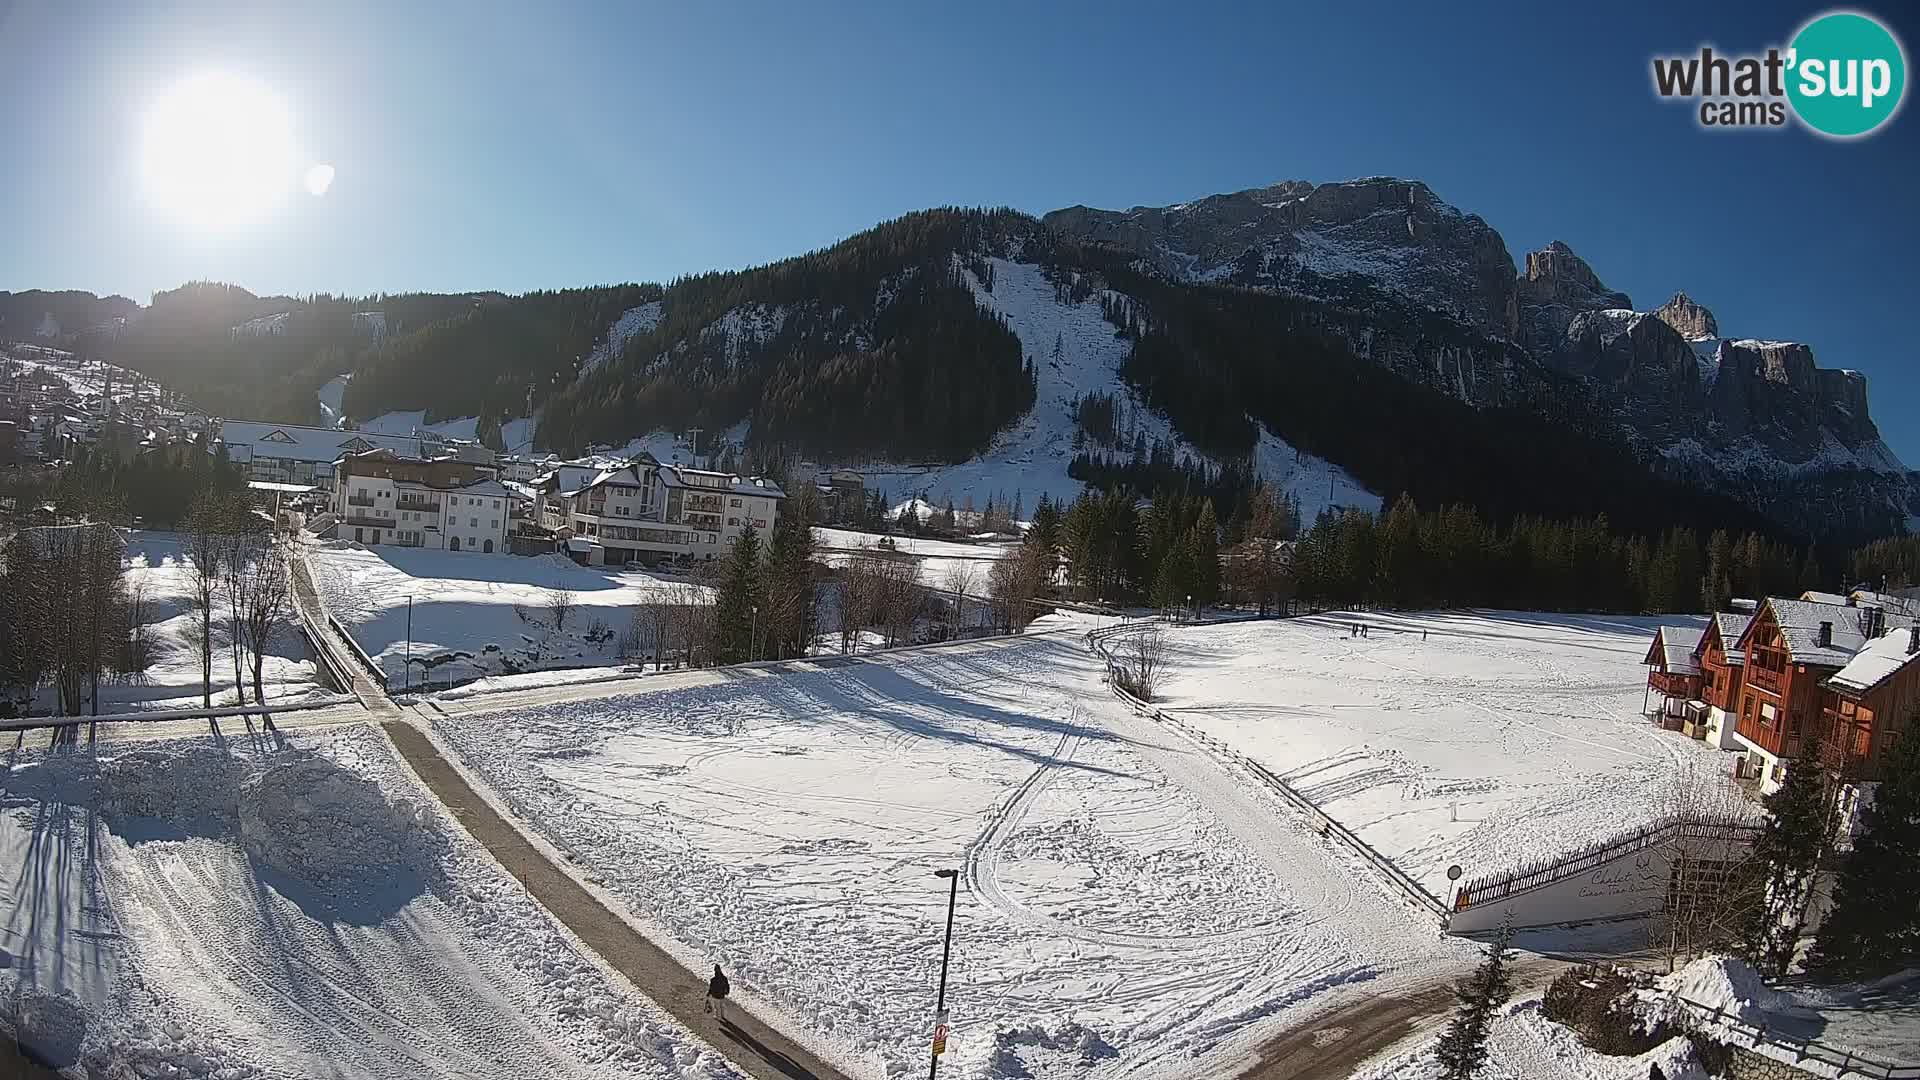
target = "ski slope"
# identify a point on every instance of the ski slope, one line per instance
(1032, 456)
(248, 910)
(1498, 738)
(1125, 908)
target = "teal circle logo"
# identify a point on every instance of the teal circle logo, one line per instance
(1846, 74)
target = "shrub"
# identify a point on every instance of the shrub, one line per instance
(1592, 1000)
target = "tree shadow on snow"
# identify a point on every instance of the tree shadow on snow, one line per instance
(495, 569)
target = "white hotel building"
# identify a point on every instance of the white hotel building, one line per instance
(380, 497)
(644, 511)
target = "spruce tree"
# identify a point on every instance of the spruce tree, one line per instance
(1205, 549)
(1463, 1049)
(1788, 854)
(1874, 927)
(734, 616)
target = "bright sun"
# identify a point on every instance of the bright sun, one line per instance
(218, 150)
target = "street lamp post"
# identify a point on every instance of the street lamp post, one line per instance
(407, 680)
(946, 954)
(753, 635)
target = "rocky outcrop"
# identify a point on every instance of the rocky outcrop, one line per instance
(1321, 240)
(1556, 286)
(1694, 322)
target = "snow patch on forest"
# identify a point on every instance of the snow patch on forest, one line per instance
(632, 323)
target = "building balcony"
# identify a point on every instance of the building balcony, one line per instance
(421, 507)
(1766, 679)
(355, 500)
(704, 503)
(1674, 684)
(367, 519)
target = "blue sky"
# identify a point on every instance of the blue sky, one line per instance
(515, 147)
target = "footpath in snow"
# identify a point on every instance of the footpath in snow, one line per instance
(1125, 906)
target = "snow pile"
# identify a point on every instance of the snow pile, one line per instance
(1730, 985)
(1522, 1044)
(313, 820)
(160, 1048)
(52, 1025)
(193, 792)
(1063, 1051)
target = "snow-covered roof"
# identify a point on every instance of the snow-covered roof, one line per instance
(493, 488)
(1892, 602)
(1876, 663)
(1817, 597)
(1731, 626)
(1673, 648)
(1799, 622)
(294, 442)
(676, 476)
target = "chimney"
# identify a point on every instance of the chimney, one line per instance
(1913, 639)
(1825, 640)
(1876, 622)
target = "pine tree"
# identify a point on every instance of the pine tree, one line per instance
(1204, 546)
(738, 596)
(1788, 853)
(1717, 587)
(1874, 927)
(1463, 1049)
(786, 605)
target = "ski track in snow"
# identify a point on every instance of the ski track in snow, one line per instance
(1112, 877)
(438, 966)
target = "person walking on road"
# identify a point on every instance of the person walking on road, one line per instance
(717, 990)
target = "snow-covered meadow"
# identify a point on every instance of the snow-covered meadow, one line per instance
(259, 908)
(939, 560)
(1480, 738)
(464, 618)
(1124, 905)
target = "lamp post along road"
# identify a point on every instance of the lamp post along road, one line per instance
(946, 954)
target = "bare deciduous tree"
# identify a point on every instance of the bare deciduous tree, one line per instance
(1143, 660)
(204, 542)
(962, 579)
(560, 603)
(266, 604)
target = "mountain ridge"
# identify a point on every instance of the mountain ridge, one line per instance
(889, 347)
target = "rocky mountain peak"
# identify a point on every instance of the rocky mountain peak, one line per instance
(1694, 322)
(1556, 286)
(1390, 234)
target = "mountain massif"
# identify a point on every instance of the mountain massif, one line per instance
(1364, 333)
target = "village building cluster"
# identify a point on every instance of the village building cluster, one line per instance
(1842, 669)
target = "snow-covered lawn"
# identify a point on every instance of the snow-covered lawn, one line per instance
(938, 559)
(161, 576)
(246, 910)
(1497, 738)
(1123, 906)
(464, 618)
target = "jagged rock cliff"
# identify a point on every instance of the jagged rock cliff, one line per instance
(1395, 235)
(1757, 419)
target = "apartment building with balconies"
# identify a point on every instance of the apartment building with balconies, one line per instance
(644, 511)
(381, 497)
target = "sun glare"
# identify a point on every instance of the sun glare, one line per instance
(218, 150)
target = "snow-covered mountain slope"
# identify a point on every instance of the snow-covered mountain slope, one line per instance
(1077, 354)
(632, 323)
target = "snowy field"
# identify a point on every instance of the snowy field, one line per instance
(162, 576)
(939, 559)
(1498, 738)
(253, 910)
(1125, 907)
(464, 619)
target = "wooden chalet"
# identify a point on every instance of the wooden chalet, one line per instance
(1871, 703)
(1673, 673)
